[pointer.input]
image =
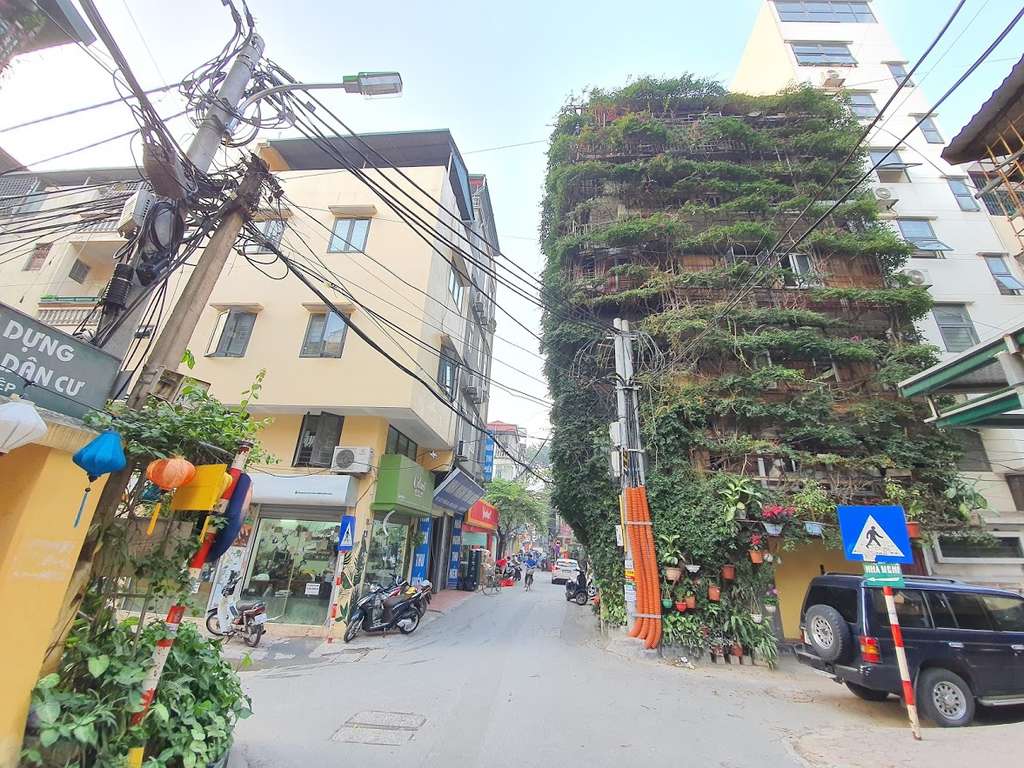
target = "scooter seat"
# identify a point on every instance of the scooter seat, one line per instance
(246, 607)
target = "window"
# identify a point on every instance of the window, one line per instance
(898, 70)
(942, 614)
(997, 201)
(325, 335)
(823, 54)
(1008, 284)
(843, 599)
(963, 194)
(824, 11)
(891, 170)
(910, 609)
(955, 326)
(273, 231)
(400, 444)
(79, 271)
(974, 457)
(1016, 486)
(448, 372)
(998, 547)
(931, 131)
(863, 105)
(20, 194)
(1007, 613)
(455, 287)
(969, 610)
(920, 234)
(38, 256)
(349, 235)
(231, 334)
(318, 437)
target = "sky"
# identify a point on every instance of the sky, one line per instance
(496, 75)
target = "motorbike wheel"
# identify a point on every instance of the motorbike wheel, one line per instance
(213, 624)
(592, 590)
(252, 635)
(580, 598)
(352, 628)
(421, 608)
(412, 621)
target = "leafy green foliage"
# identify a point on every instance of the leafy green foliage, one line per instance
(518, 509)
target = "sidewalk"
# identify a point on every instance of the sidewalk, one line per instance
(444, 601)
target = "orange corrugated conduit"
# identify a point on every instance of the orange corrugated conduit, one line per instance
(651, 566)
(634, 545)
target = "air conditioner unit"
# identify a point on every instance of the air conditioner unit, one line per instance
(479, 307)
(349, 460)
(885, 197)
(917, 276)
(832, 80)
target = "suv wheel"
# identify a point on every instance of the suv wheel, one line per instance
(946, 698)
(828, 633)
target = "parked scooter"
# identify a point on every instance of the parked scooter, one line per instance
(574, 593)
(399, 606)
(229, 618)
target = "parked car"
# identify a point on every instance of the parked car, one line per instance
(565, 570)
(965, 643)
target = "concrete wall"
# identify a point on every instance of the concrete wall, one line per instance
(795, 571)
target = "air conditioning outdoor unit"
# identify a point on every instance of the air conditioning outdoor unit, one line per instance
(479, 308)
(885, 197)
(917, 276)
(348, 460)
(832, 80)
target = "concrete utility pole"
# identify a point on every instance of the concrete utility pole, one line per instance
(628, 453)
(200, 153)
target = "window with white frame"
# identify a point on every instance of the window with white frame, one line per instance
(273, 231)
(325, 335)
(823, 54)
(448, 372)
(863, 105)
(455, 287)
(919, 233)
(319, 435)
(891, 170)
(964, 195)
(930, 131)
(349, 235)
(1008, 283)
(997, 546)
(832, 11)
(231, 334)
(898, 70)
(955, 327)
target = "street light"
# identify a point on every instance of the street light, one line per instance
(370, 84)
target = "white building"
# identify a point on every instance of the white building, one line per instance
(964, 254)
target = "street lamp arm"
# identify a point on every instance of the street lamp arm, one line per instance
(282, 88)
(366, 83)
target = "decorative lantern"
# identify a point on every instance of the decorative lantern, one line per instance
(170, 474)
(99, 456)
(20, 424)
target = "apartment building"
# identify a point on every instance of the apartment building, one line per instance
(507, 463)
(414, 465)
(964, 253)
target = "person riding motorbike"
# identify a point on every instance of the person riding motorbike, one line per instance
(531, 566)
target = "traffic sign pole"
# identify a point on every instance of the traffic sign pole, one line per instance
(901, 659)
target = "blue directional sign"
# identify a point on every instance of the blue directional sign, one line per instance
(347, 533)
(488, 465)
(875, 534)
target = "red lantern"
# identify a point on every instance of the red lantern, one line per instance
(170, 474)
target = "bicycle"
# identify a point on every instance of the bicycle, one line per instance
(529, 580)
(491, 584)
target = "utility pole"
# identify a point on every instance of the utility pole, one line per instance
(200, 153)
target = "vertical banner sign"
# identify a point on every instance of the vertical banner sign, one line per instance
(421, 552)
(453, 562)
(488, 467)
(877, 537)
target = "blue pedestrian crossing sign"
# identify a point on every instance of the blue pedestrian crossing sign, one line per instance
(875, 534)
(347, 533)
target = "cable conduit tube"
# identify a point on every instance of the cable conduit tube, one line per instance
(642, 592)
(633, 549)
(642, 570)
(646, 533)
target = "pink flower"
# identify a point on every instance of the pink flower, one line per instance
(777, 513)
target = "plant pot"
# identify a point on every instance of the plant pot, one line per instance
(681, 606)
(756, 556)
(768, 557)
(729, 572)
(773, 529)
(691, 602)
(757, 618)
(813, 528)
(737, 650)
(714, 593)
(913, 529)
(770, 609)
(673, 573)
(223, 761)
(666, 603)
(693, 569)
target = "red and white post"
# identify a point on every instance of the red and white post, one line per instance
(901, 660)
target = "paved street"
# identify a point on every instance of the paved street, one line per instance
(526, 676)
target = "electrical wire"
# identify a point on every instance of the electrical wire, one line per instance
(79, 110)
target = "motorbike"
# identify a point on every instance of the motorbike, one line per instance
(230, 618)
(399, 606)
(576, 594)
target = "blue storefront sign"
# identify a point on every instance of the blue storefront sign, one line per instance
(488, 466)
(457, 493)
(421, 554)
(453, 562)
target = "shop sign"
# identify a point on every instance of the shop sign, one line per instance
(402, 485)
(457, 492)
(488, 465)
(453, 561)
(421, 553)
(66, 374)
(483, 515)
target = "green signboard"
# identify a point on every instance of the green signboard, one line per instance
(403, 485)
(883, 575)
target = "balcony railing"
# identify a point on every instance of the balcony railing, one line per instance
(69, 317)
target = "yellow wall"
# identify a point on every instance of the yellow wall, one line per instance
(765, 66)
(40, 490)
(793, 575)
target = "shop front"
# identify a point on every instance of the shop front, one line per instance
(401, 521)
(287, 548)
(452, 499)
(479, 541)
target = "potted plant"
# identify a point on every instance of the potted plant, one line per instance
(737, 649)
(771, 601)
(692, 568)
(691, 601)
(728, 571)
(775, 517)
(714, 593)
(814, 528)
(669, 556)
(666, 602)
(912, 503)
(755, 551)
(814, 505)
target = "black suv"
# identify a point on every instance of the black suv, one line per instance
(965, 643)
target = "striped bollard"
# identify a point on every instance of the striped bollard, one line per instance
(901, 659)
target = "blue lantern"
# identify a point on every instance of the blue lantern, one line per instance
(101, 455)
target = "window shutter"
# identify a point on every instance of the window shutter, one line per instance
(238, 330)
(328, 433)
(313, 342)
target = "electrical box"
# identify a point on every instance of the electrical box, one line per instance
(133, 215)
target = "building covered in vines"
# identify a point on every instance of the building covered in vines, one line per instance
(769, 361)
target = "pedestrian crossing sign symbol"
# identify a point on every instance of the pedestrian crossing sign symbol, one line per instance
(347, 533)
(876, 534)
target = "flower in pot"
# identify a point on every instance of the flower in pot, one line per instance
(756, 617)
(669, 556)
(691, 602)
(737, 648)
(728, 571)
(775, 517)
(813, 527)
(771, 601)
(714, 593)
(681, 606)
(756, 547)
(692, 568)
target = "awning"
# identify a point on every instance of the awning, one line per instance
(481, 518)
(457, 492)
(306, 490)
